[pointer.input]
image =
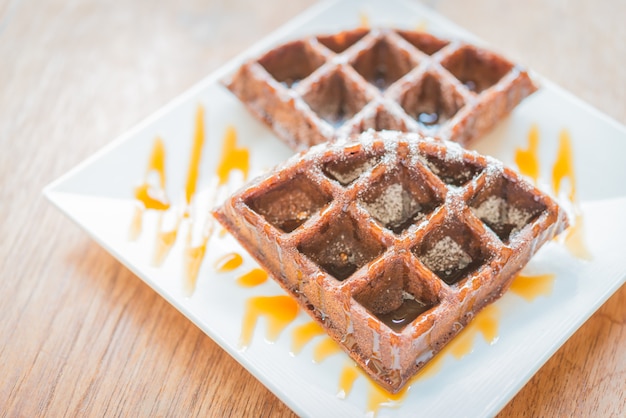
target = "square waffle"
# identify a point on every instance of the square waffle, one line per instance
(392, 241)
(321, 88)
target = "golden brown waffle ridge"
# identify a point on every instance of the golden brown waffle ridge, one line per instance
(392, 241)
(320, 88)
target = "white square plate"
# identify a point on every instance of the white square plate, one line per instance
(98, 196)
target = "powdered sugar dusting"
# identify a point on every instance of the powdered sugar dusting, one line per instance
(498, 212)
(494, 168)
(390, 141)
(347, 177)
(393, 207)
(454, 152)
(454, 200)
(446, 256)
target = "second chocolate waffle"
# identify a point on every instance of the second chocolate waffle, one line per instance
(320, 88)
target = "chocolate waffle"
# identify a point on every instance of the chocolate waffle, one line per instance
(321, 88)
(392, 241)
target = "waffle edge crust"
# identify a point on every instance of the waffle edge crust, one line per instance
(320, 88)
(392, 241)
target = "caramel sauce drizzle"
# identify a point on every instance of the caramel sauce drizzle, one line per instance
(527, 160)
(530, 287)
(348, 376)
(196, 155)
(147, 194)
(303, 334)
(575, 239)
(279, 312)
(564, 169)
(484, 323)
(193, 258)
(324, 349)
(228, 262)
(151, 198)
(151, 195)
(254, 277)
(364, 20)
(421, 26)
(165, 240)
(564, 166)
(377, 397)
(192, 255)
(136, 223)
(233, 157)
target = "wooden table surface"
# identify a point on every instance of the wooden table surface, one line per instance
(80, 334)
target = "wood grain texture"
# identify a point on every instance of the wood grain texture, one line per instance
(81, 335)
